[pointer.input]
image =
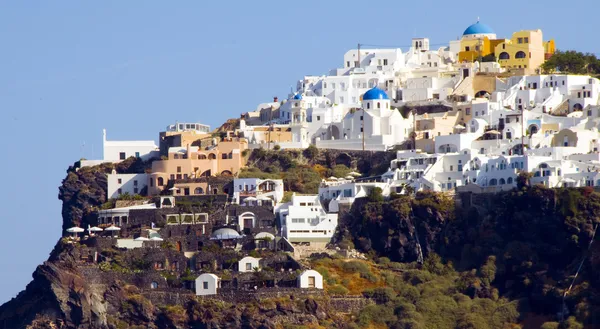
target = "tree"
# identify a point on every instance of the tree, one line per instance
(572, 62)
(311, 152)
(375, 195)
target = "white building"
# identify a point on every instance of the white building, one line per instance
(271, 189)
(304, 220)
(375, 126)
(131, 184)
(207, 284)
(115, 151)
(249, 264)
(310, 279)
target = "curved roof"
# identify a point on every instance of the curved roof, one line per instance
(263, 235)
(375, 93)
(225, 233)
(478, 28)
(298, 96)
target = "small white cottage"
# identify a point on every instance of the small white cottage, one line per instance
(207, 284)
(248, 264)
(310, 279)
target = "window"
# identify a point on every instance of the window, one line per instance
(526, 39)
(318, 118)
(520, 40)
(205, 285)
(361, 129)
(347, 63)
(223, 156)
(178, 169)
(120, 191)
(160, 181)
(467, 48)
(119, 181)
(172, 176)
(135, 183)
(368, 106)
(378, 105)
(468, 111)
(385, 62)
(248, 267)
(135, 190)
(361, 118)
(153, 285)
(122, 155)
(137, 154)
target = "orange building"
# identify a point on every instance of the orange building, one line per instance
(225, 158)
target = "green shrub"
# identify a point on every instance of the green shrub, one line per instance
(337, 290)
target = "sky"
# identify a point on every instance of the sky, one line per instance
(68, 69)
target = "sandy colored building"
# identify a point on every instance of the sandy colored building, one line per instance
(225, 158)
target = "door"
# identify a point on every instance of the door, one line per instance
(311, 281)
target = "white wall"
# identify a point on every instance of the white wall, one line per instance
(212, 282)
(244, 262)
(112, 150)
(303, 279)
(127, 184)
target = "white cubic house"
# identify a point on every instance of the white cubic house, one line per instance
(131, 184)
(207, 284)
(248, 264)
(310, 279)
(304, 220)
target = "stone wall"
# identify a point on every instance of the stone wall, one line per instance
(347, 304)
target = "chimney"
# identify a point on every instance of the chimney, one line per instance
(275, 99)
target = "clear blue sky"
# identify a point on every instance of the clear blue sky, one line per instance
(70, 68)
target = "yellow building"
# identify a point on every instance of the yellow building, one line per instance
(524, 50)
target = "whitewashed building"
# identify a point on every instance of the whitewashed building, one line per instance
(261, 189)
(310, 279)
(304, 220)
(119, 184)
(249, 264)
(207, 284)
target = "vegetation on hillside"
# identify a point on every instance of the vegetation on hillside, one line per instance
(572, 62)
(521, 247)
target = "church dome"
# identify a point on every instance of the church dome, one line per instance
(478, 28)
(375, 93)
(298, 97)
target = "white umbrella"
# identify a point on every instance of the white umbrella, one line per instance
(75, 229)
(95, 229)
(341, 179)
(459, 127)
(568, 180)
(493, 132)
(349, 177)
(332, 178)
(112, 229)
(250, 198)
(354, 173)
(155, 238)
(141, 239)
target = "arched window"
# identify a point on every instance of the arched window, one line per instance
(160, 181)
(493, 182)
(520, 54)
(224, 156)
(198, 190)
(378, 105)
(153, 285)
(212, 156)
(368, 106)
(509, 180)
(502, 181)
(504, 55)
(202, 157)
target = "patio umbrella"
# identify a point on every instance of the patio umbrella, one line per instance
(459, 127)
(141, 239)
(94, 229)
(75, 230)
(493, 132)
(354, 173)
(349, 177)
(155, 238)
(112, 229)
(173, 189)
(332, 178)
